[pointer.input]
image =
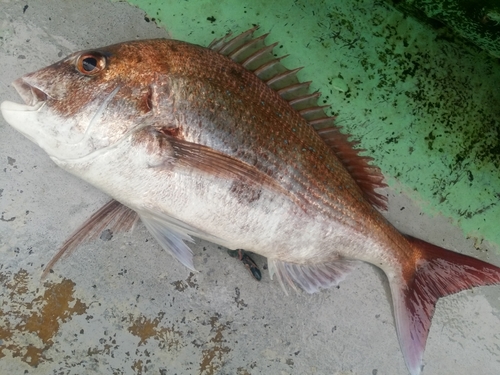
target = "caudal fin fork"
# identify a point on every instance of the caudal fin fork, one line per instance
(438, 273)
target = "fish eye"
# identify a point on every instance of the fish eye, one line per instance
(90, 63)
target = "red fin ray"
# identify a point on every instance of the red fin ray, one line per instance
(225, 45)
(438, 273)
(248, 49)
(270, 69)
(306, 101)
(313, 113)
(368, 177)
(255, 58)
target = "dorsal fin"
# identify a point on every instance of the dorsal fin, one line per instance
(257, 57)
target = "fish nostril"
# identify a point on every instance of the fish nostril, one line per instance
(148, 100)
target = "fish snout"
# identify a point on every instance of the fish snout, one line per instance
(31, 94)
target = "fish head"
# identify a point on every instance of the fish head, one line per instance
(87, 102)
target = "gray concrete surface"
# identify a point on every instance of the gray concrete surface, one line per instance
(126, 307)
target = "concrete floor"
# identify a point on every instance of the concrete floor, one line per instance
(125, 307)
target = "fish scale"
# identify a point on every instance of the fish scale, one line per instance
(283, 149)
(226, 144)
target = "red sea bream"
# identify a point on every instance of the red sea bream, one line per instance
(225, 144)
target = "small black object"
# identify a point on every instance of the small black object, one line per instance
(247, 261)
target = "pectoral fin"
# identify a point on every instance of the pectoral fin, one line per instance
(166, 148)
(219, 164)
(113, 216)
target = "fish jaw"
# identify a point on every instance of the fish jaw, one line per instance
(33, 118)
(21, 116)
(39, 124)
(61, 137)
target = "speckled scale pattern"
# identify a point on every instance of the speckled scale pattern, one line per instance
(280, 142)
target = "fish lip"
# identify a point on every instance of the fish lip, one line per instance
(31, 95)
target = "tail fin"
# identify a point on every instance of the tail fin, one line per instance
(437, 273)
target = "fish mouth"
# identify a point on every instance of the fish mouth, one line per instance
(19, 116)
(33, 96)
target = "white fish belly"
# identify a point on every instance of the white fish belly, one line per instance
(228, 212)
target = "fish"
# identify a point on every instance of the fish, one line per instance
(226, 144)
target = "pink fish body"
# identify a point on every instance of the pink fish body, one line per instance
(225, 144)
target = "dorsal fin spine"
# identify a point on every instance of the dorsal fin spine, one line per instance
(269, 65)
(255, 56)
(245, 47)
(283, 76)
(233, 43)
(289, 91)
(313, 113)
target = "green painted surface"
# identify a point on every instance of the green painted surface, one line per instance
(426, 108)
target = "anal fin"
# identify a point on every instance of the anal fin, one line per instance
(311, 277)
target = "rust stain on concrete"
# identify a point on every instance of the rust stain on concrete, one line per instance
(30, 318)
(145, 329)
(214, 356)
